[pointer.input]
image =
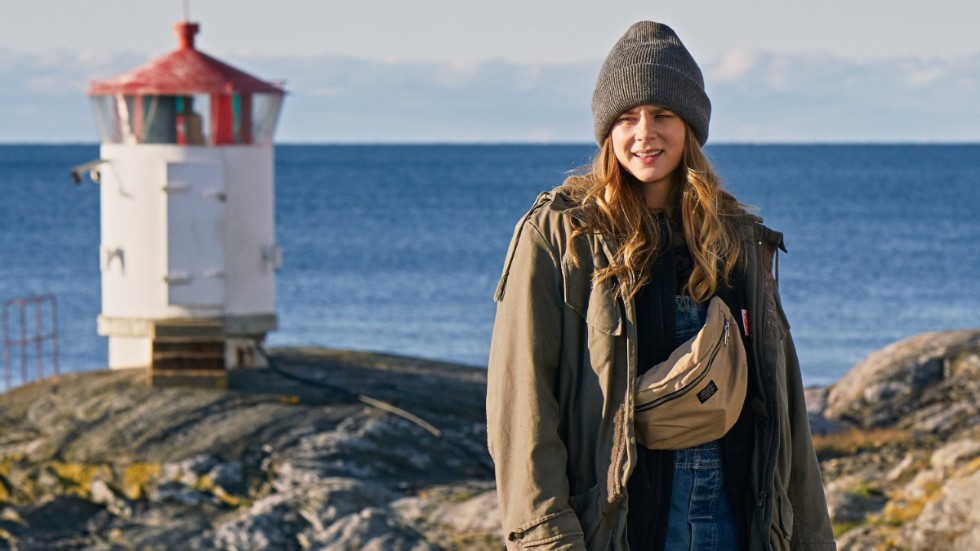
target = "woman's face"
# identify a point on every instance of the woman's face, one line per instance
(649, 142)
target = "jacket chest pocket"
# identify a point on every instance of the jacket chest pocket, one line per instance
(598, 306)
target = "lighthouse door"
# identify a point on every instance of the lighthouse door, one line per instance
(195, 228)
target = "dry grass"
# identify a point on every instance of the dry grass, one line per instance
(856, 440)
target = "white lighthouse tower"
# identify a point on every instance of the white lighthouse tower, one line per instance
(188, 251)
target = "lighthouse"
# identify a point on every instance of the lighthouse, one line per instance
(188, 251)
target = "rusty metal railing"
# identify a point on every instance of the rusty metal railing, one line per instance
(28, 315)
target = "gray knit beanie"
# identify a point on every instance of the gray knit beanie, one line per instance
(650, 65)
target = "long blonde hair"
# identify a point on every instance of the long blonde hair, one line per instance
(615, 205)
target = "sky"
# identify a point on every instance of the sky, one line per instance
(394, 71)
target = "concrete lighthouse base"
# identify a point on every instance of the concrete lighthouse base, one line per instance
(187, 351)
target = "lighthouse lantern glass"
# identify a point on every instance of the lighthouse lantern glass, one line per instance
(265, 115)
(198, 119)
(107, 118)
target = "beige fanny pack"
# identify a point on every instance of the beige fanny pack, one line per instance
(696, 395)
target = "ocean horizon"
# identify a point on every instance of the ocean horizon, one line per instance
(396, 248)
(439, 143)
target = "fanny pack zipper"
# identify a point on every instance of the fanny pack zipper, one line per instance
(686, 388)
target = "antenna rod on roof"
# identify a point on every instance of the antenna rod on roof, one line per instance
(187, 11)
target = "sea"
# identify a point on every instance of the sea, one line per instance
(398, 248)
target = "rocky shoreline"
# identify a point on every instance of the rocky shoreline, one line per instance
(100, 461)
(899, 441)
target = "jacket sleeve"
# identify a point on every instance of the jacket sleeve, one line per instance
(522, 411)
(801, 521)
(812, 529)
(811, 522)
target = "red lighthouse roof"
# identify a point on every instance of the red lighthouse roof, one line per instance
(185, 71)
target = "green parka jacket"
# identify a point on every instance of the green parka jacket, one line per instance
(561, 389)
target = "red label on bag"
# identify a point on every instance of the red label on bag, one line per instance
(745, 322)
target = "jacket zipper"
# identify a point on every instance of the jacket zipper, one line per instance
(687, 388)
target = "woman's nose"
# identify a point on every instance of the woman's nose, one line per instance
(645, 129)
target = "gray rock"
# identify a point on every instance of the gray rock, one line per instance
(905, 468)
(270, 524)
(451, 515)
(330, 499)
(101, 493)
(964, 363)
(851, 501)
(188, 472)
(950, 522)
(478, 514)
(816, 404)
(176, 492)
(274, 464)
(948, 456)
(862, 538)
(941, 417)
(371, 529)
(230, 477)
(893, 381)
(816, 399)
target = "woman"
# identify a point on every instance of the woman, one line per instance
(605, 276)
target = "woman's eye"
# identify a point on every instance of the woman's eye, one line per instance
(664, 115)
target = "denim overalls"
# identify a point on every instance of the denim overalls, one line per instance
(701, 515)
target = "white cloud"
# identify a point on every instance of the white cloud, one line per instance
(457, 73)
(823, 98)
(732, 66)
(924, 77)
(431, 101)
(756, 97)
